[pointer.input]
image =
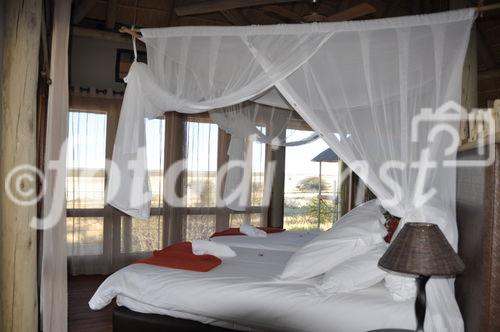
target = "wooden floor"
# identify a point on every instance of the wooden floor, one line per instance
(80, 317)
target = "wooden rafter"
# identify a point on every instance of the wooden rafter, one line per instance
(81, 10)
(283, 12)
(219, 5)
(235, 17)
(258, 17)
(489, 74)
(111, 14)
(356, 11)
(100, 34)
(197, 20)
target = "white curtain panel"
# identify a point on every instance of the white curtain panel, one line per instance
(250, 121)
(54, 290)
(244, 122)
(358, 84)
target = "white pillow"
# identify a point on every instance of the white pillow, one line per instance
(401, 287)
(359, 272)
(354, 234)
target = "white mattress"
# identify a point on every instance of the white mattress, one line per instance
(285, 241)
(245, 293)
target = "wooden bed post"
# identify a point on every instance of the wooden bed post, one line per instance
(18, 266)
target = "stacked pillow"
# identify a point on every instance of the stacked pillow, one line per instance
(347, 255)
(356, 273)
(356, 233)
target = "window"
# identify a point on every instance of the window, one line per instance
(86, 159)
(101, 239)
(201, 147)
(201, 178)
(258, 184)
(202, 154)
(141, 235)
(257, 212)
(305, 207)
(84, 236)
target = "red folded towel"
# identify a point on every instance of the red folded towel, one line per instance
(236, 231)
(180, 256)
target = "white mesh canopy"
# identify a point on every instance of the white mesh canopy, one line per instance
(360, 85)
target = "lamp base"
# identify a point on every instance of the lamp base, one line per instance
(420, 302)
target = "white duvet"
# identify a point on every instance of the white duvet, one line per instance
(245, 293)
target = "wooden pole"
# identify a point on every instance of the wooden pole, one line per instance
(276, 211)
(174, 216)
(222, 214)
(18, 266)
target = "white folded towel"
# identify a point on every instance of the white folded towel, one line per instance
(204, 247)
(252, 231)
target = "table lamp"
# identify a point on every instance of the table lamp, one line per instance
(421, 249)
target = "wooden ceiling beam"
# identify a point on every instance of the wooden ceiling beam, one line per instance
(103, 35)
(356, 11)
(258, 17)
(219, 5)
(489, 74)
(111, 14)
(283, 12)
(197, 20)
(235, 17)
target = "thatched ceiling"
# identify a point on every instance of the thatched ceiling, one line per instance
(109, 15)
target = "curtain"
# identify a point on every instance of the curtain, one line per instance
(361, 85)
(54, 292)
(248, 122)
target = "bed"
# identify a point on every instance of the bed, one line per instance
(244, 294)
(477, 290)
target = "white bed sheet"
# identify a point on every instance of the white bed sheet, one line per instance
(245, 293)
(284, 241)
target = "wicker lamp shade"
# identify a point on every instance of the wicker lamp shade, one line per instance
(422, 249)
